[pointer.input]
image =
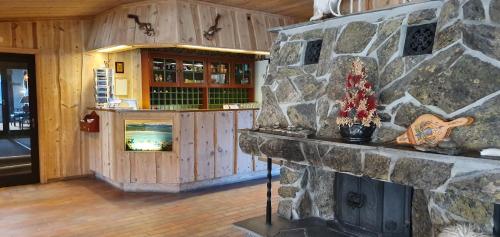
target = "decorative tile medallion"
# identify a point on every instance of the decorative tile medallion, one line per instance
(419, 39)
(313, 50)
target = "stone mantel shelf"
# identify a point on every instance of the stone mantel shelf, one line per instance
(469, 176)
(382, 147)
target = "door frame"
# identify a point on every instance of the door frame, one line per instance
(34, 176)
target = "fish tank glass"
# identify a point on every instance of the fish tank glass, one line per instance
(148, 135)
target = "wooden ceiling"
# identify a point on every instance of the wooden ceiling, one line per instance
(300, 9)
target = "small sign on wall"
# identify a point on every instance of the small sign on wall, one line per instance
(119, 67)
(121, 87)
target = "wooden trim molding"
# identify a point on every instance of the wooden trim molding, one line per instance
(19, 50)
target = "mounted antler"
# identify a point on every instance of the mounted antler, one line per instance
(210, 33)
(146, 27)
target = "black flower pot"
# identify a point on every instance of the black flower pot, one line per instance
(357, 133)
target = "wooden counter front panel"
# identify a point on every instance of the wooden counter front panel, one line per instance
(205, 146)
(224, 146)
(143, 167)
(121, 169)
(186, 146)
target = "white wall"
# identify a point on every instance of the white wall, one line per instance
(260, 73)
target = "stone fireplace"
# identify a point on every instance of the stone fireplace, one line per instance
(457, 76)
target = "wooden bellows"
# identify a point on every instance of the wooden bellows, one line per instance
(429, 130)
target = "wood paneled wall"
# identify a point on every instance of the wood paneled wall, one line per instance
(183, 22)
(132, 72)
(64, 87)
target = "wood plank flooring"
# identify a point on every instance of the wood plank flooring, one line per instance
(88, 207)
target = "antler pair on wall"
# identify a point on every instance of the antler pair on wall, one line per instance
(210, 33)
(149, 31)
(146, 27)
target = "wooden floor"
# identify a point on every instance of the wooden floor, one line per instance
(88, 207)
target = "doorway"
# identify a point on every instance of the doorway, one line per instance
(19, 162)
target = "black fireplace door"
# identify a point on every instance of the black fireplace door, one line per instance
(368, 207)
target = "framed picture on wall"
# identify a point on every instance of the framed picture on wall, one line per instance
(119, 67)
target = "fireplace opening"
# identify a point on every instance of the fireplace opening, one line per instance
(368, 207)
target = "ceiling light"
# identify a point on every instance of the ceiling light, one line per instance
(113, 49)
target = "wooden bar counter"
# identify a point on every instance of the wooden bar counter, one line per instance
(205, 151)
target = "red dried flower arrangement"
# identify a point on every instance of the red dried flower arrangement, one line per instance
(359, 104)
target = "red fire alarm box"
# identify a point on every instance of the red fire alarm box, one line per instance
(90, 123)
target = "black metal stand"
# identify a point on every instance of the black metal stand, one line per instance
(269, 177)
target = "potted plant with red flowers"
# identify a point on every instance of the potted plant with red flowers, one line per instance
(358, 117)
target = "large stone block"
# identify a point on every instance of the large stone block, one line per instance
(289, 53)
(343, 160)
(312, 154)
(422, 16)
(282, 149)
(285, 208)
(325, 57)
(483, 133)
(249, 144)
(484, 38)
(495, 11)
(290, 71)
(394, 70)
(412, 61)
(308, 35)
(421, 223)
(308, 86)
(328, 128)
(420, 173)
(270, 113)
(423, 79)
(286, 92)
(303, 116)
(288, 191)
(321, 188)
(389, 48)
(470, 210)
(448, 35)
(483, 185)
(386, 29)
(449, 11)
(386, 134)
(466, 81)
(473, 10)
(304, 208)
(355, 37)
(407, 113)
(288, 176)
(377, 166)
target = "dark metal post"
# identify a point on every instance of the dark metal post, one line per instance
(269, 177)
(496, 220)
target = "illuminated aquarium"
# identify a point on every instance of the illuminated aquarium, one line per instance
(148, 135)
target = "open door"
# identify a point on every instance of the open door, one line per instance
(19, 162)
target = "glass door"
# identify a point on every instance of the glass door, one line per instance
(242, 74)
(18, 133)
(193, 71)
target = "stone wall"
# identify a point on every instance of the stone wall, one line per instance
(461, 77)
(448, 190)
